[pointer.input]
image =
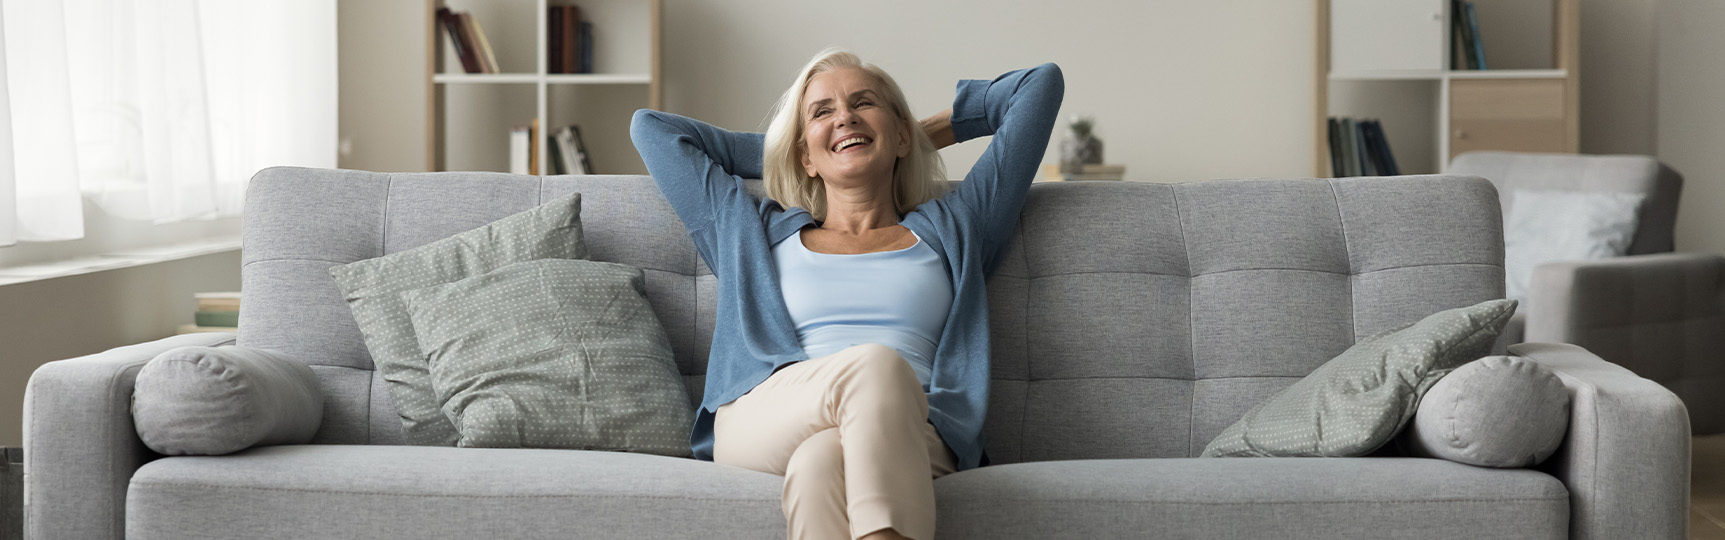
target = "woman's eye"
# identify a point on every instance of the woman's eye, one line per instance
(821, 112)
(864, 103)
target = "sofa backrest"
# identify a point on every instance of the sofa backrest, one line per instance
(1127, 319)
(1515, 171)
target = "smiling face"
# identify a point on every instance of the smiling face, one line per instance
(851, 134)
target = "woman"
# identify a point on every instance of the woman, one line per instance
(850, 345)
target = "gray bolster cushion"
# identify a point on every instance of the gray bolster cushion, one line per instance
(1498, 411)
(220, 400)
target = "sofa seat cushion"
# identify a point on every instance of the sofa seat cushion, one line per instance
(414, 492)
(1338, 498)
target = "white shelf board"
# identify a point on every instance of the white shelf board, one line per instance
(485, 78)
(529, 78)
(1508, 74)
(599, 78)
(1416, 75)
(1408, 75)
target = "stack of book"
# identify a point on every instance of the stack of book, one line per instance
(469, 41)
(217, 312)
(569, 152)
(571, 41)
(1358, 148)
(1469, 53)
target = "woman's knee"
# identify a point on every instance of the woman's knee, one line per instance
(819, 458)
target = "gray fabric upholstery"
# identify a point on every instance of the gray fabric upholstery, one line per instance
(1511, 171)
(1358, 401)
(81, 443)
(1662, 316)
(1625, 458)
(219, 400)
(411, 492)
(1129, 320)
(1672, 331)
(1331, 498)
(1500, 411)
(553, 353)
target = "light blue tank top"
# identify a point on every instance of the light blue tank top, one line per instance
(895, 298)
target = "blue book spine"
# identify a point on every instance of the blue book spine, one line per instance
(586, 46)
(1473, 27)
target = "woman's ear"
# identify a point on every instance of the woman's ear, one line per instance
(808, 164)
(904, 140)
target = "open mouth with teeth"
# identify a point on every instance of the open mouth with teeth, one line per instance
(854, 141)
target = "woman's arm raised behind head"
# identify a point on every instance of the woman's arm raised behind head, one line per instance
(697, 166)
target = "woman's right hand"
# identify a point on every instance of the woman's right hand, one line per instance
(939, 129)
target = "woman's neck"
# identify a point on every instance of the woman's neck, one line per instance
(859, 209)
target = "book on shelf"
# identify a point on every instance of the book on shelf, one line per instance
(518, 156)
(458, 38)
(217, 301)
(1468, 52)
(565, 42)
(482, 47)
(572, 151)
(585, 46)
(216, 312)
(1358, 147)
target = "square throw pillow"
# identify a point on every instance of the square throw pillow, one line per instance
(372, 288)
(553, 354)
(1359, 400)
(1550, 226)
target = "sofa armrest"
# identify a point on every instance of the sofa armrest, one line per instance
(80, 447)
(1627, 308)
(1625, 458)
(1658, 315)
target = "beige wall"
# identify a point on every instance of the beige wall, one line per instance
(1691, 117)
(67, 317)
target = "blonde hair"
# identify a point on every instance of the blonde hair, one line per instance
(917, 177)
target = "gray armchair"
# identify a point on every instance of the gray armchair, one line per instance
(1652, 311)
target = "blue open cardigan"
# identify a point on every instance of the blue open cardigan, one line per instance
(700, 169)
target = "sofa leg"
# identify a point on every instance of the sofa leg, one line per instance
(11, 494)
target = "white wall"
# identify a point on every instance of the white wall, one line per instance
(1182, 90)
(1691, 118)
(67, 317)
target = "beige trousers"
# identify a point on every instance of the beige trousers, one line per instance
(850, 434)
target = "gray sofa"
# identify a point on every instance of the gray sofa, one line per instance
(1131, 323)
(1657, 312)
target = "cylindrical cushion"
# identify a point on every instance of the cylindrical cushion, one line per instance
(220, 400)
(1498, 411)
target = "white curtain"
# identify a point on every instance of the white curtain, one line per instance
(158, 110)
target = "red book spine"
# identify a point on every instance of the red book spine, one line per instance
(463, 47)
(571, 42)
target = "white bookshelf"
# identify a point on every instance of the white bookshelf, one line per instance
(1391, 59)
(471, 113)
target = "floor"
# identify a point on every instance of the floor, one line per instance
(1707, 489)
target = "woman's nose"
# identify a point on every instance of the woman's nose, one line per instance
(844, 117)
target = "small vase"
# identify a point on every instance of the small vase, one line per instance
(1076, 152)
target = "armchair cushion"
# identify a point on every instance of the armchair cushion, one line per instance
(220, 400)
(372, 289)
(1548, 226)
(1500, 411)
(1360, 399)
(553, 354)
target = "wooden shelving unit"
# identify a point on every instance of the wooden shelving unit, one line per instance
(1392, 58)
(470, 114)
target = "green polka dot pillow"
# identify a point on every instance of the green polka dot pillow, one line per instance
(372, 289)
(1359, 400)
(553, 354)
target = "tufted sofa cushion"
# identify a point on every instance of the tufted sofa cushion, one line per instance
(1127, 319)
